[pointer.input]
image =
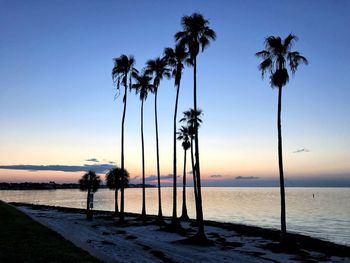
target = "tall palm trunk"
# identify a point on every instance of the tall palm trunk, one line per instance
(194, 176)
(280, 164)
(122, 160)
(184, 207)
(200, 221)
(143, 213)
(174, 158)
(160, 214)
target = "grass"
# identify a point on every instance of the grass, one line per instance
(25, 240)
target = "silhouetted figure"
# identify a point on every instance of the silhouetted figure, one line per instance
(275, 57)
(116, 179)
(123, 68)
(142, 87)
(175, 58)
(89, 182)
(196, 35)
(158, 68)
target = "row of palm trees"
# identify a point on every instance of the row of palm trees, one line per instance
(194, 37)
(117, 178)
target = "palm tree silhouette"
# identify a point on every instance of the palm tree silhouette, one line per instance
(89, 182)
(192, 119)
(123, 68)
(158, 68)
(117, 178)
(142, 87)
(184, 136)
(275, 56)
(175, 58)
(196, 34)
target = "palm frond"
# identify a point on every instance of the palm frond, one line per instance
(142, 85)
(135, 74)
(196, 34)
(179, 35)
(189, 62)
(273, 44)
(192, 118)
(209, 33)
(174, 58)
(117, 178)
(204, 42)
(89, 182)
(295, 59)
(123, 65)
(288, 42)
(132, 61)
(263, 54)
(265, 65)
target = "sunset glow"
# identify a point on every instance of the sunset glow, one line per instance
(57, 95)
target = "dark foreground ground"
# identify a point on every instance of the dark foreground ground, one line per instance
(24, 240)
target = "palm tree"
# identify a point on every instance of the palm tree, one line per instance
(175, 58)
(89, 182)
(142, 87)
(123, 68)
(193, 119)
(184, 136)
(196, 34)
(275, 56)
(158, 68)
(117, 178)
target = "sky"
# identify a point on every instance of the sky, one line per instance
(58, 106)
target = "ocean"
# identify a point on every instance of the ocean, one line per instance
(318, 212)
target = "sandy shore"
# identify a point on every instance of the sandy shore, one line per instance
(145, 242)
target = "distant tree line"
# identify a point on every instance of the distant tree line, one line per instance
(54, 186)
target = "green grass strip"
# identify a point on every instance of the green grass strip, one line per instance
(25, 240)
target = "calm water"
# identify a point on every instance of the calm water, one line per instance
(326, 215)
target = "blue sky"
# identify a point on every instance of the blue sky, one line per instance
(57, 97)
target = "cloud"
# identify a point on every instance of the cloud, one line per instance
(216, 176)
(190, 172)
(108, 161)
(98, 168)
(162, 177)
(246, 177)
(92, 160)
(303, 150)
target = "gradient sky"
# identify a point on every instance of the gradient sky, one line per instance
(57, 102)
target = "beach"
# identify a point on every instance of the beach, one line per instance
(138, 241)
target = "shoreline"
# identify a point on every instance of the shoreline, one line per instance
(265, 240)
